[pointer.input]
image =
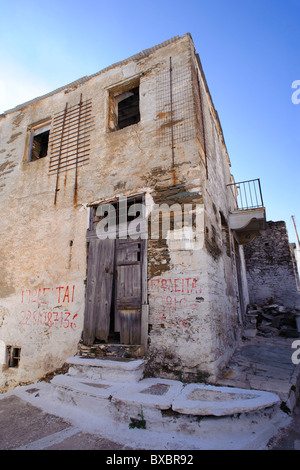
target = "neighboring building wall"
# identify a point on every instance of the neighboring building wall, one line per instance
(270, 268)
(296, 262)
(191, 309)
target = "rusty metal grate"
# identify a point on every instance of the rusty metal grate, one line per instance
(175, 118)
(70, 138)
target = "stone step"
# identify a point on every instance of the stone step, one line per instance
(169, 406)
(100, 350)
(111, 370)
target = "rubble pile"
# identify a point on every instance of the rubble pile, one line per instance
(273, 320)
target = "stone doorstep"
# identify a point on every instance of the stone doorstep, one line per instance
(112, 370)
(164, 429)
(85, 386)
(164, 394)
(206, 400)
(151, 392)
(169, 406)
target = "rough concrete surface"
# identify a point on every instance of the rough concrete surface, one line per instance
(288, 438)
(22, 423)
(26, 427)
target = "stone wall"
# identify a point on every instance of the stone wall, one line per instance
(270, 268)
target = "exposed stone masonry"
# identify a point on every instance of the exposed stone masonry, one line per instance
(270, 270)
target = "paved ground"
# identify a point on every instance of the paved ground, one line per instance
(289, 437)
(265, 364)
(23, 426)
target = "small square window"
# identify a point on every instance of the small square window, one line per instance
(124, 107)
(13, 356)
(38, 145)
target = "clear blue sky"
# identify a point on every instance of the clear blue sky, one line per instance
(250, 52)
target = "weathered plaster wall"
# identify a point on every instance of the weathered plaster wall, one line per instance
(195, 329)
(270, 268)
(193, 309)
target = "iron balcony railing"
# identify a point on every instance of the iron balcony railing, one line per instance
(248, 194)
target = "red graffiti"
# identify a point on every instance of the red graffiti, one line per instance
(187, 285)
(51, 319)
(62, 294)
(172, 310)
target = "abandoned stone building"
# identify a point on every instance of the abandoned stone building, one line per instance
(138, 144)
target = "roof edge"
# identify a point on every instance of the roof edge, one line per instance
(139, 55)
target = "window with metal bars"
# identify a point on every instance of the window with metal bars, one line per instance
(13, 356)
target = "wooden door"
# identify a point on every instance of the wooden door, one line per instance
(128, 290)
(99, 290)
(114, 279)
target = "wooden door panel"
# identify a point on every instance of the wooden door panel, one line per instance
(130, 326)
(128, 295)
(128, 284)
(99, 290)
(104, 291)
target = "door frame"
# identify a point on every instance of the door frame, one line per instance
(91, 234)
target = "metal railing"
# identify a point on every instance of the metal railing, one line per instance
(248, 194)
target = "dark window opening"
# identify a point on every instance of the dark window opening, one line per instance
(128, 108)
(39, 146)
(13, 356)
(38, 141)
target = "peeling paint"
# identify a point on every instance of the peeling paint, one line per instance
(13, 137)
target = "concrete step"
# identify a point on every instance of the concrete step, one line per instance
(111, 370)
(196, 413)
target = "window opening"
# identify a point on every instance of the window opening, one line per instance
(39, 140)
(118, 212)
(128, 108)
(13, 356)
(124, 105)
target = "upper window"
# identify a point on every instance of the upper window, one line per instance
(128, 108)
(39, 139)
(124, 106)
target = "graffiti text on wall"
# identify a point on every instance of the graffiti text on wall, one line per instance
(186, 285)
(41, 315)
(51, 319)
(62, 294)
(174, 299)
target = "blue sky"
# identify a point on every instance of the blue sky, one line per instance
(250, 52)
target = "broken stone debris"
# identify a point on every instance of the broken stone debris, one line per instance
(272, 319)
